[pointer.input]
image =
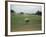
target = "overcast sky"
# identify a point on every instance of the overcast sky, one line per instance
(25, 9)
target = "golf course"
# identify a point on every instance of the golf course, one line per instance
(18, 23)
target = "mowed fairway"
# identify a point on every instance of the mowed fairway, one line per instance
(18, 23)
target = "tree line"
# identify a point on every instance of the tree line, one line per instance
(39, 13)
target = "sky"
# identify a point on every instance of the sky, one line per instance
(25, 8)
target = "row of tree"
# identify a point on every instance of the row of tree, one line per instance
(39, 13)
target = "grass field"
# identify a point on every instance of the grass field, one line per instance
(18, 23)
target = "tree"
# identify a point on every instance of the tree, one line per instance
(12, 11)
(21, 12)
(39, 13)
